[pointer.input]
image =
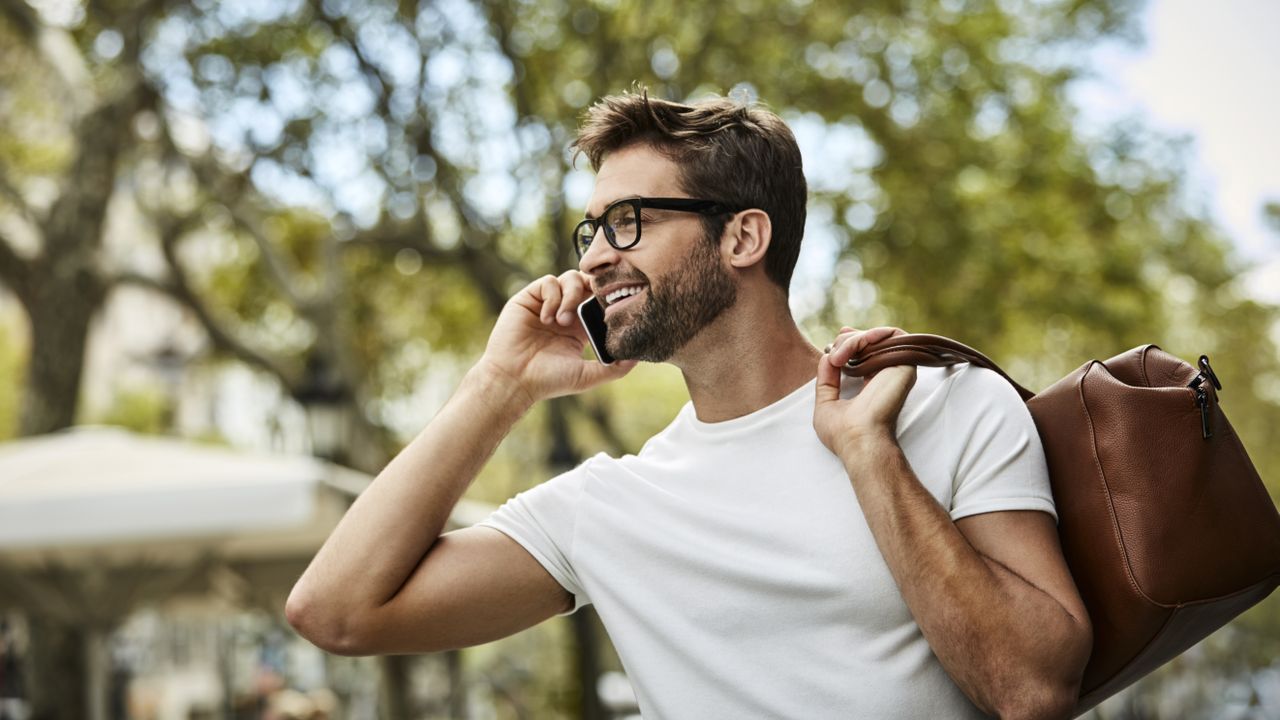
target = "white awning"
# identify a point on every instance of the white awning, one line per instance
(102, 494)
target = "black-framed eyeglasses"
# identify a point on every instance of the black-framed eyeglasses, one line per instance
(621, 220)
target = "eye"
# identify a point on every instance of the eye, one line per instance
(585, 234)
(621, 218)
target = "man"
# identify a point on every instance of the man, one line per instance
(790, 546)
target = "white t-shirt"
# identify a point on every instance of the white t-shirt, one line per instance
(735, 573)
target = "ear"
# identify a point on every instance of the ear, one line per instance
(747, 238)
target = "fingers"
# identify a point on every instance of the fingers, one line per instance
(549, 289)
(849, 342)
(828, 381)
(595, 373)
(560, 296)
(576, 289)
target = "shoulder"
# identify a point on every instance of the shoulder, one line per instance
(961, 395)
(560, 491)
(972, 387)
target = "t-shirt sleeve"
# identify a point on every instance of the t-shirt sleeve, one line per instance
(1000, 462)
(541, 519)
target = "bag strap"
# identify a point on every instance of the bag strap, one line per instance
(923, 349)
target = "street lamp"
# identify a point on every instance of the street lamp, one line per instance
(325, 400)
(170, 364)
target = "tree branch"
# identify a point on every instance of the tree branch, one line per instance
(22, 18)
(179, 288)
(10, 192)
(413, 235)
(220, 183)
(492, 274)
(342, 28)
(15, 271)
(602, 419)
(503, 23)
(277, 268)
(446, 172)
(220, 337)
(474, 252)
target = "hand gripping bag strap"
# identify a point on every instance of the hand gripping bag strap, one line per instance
(923, 349)
(1164, 522)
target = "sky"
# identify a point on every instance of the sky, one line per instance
(1208, 70)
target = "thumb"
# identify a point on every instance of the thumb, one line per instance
(595, 373)
(828, 386)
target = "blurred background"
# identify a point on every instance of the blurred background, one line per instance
(247, 249)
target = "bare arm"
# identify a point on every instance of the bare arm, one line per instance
(386, 580)
(991, 593)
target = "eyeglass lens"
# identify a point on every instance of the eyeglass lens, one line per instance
(620, 224)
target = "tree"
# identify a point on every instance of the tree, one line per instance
(60, 286)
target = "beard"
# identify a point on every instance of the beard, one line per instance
(684, 302)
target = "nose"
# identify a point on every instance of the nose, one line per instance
(599, 255)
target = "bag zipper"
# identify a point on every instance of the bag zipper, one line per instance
(1202, 393)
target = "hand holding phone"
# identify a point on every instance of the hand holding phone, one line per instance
(537, 344)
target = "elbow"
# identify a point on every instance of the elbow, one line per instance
(1055, 692)
(1043, 702)
(327, 628)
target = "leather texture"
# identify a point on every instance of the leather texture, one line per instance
(1169, 534)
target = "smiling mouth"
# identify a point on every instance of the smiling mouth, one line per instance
(622, 296)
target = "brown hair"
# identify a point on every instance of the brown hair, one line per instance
(739, 154)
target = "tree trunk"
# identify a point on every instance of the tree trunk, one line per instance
(62, 297)
(61, 310)
(56, 672)
(395, 686)
(587, 644)
(562, 456)
(64, 291)
(65, 287)
(457, 685)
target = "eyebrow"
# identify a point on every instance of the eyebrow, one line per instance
(588, 215)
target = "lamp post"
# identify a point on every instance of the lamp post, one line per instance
(325, 400)
(170, 364)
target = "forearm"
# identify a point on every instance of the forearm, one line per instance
(389, 529)
(999, 637)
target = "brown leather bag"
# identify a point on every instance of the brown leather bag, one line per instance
(1164, 522)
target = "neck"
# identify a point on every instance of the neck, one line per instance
(749, 358)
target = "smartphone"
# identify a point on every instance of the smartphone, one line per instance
(592, 317)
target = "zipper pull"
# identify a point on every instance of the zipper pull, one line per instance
(1202, 393)
(1208, 371)
(1202, 399)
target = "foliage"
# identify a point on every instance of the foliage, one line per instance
(1271, 215)
(143, 410)
(34, 143)
(11, 374)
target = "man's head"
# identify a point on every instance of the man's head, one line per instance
(741, 155)
(742, 159)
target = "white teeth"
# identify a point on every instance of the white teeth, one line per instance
(620, 293)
